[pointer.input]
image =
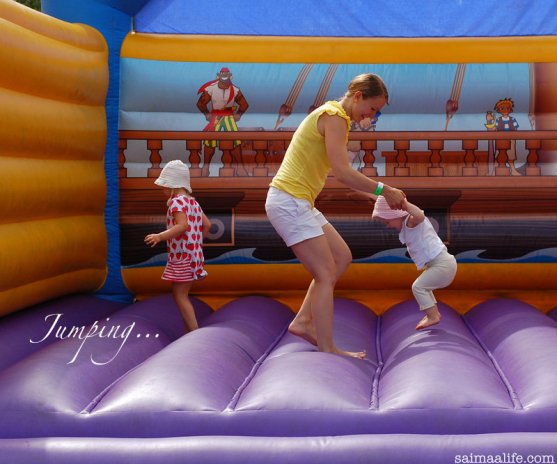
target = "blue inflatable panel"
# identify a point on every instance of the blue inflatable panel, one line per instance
(358, 18)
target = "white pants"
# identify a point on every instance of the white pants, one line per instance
(440, 272)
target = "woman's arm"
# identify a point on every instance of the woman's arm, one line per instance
(334, 130)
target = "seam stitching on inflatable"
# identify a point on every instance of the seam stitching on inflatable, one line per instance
(512, 393)
(374, 399)
(96, 400)
(234, 400)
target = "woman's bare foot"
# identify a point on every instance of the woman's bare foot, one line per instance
(304, 330)
(432, 317)
(350, 354)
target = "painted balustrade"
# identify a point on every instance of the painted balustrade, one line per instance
(480, 153)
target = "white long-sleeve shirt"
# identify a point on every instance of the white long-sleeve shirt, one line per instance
(423, 243)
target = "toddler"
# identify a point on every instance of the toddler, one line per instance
(427, 251)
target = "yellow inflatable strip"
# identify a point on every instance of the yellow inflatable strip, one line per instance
(53, 87)
(43, 66)
(51, 129)
(254, 277)
(265, 49)
(83, 280)
(78, 35)
(379, 286)
(380, 301)
(75, 188)
(39, 250)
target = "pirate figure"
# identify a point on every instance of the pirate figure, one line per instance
(223, 104)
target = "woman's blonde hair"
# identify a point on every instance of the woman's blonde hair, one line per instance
(371, 85)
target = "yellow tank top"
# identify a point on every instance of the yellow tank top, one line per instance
(305, 166)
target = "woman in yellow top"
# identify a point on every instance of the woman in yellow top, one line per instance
(319, 146)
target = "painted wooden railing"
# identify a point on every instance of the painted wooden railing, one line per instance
(261, 152)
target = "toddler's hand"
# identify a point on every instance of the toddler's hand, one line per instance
(152, 239)
(365, 123)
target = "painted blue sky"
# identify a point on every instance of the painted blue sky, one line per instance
(162, 95)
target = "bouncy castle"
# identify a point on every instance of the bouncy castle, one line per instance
(99, 95)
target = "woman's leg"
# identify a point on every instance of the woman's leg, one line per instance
(180, 291)
(302, 325)
(317, 256)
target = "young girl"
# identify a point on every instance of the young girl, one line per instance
(318, 147)
(426, 249)
(186, 227)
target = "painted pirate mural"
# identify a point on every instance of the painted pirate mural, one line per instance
(223, 104)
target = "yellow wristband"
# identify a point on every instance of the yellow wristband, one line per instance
(379, 188)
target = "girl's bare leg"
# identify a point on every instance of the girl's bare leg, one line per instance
(180, 291)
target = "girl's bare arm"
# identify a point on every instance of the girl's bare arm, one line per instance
(180, 226)
(206, 225)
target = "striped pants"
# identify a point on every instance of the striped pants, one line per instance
(224, 124)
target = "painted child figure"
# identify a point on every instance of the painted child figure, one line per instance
(427, 251)
(186, 227)
(355, 146)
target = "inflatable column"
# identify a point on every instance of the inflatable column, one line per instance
(52, 91)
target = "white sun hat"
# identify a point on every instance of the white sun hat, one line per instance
(382, 210)
(175, 175)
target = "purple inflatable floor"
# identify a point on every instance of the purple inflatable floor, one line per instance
(126, 376)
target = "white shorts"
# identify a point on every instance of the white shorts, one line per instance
(293, 219)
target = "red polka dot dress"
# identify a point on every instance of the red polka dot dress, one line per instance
(185, 253)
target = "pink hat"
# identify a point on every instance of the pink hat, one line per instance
(383, 210)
